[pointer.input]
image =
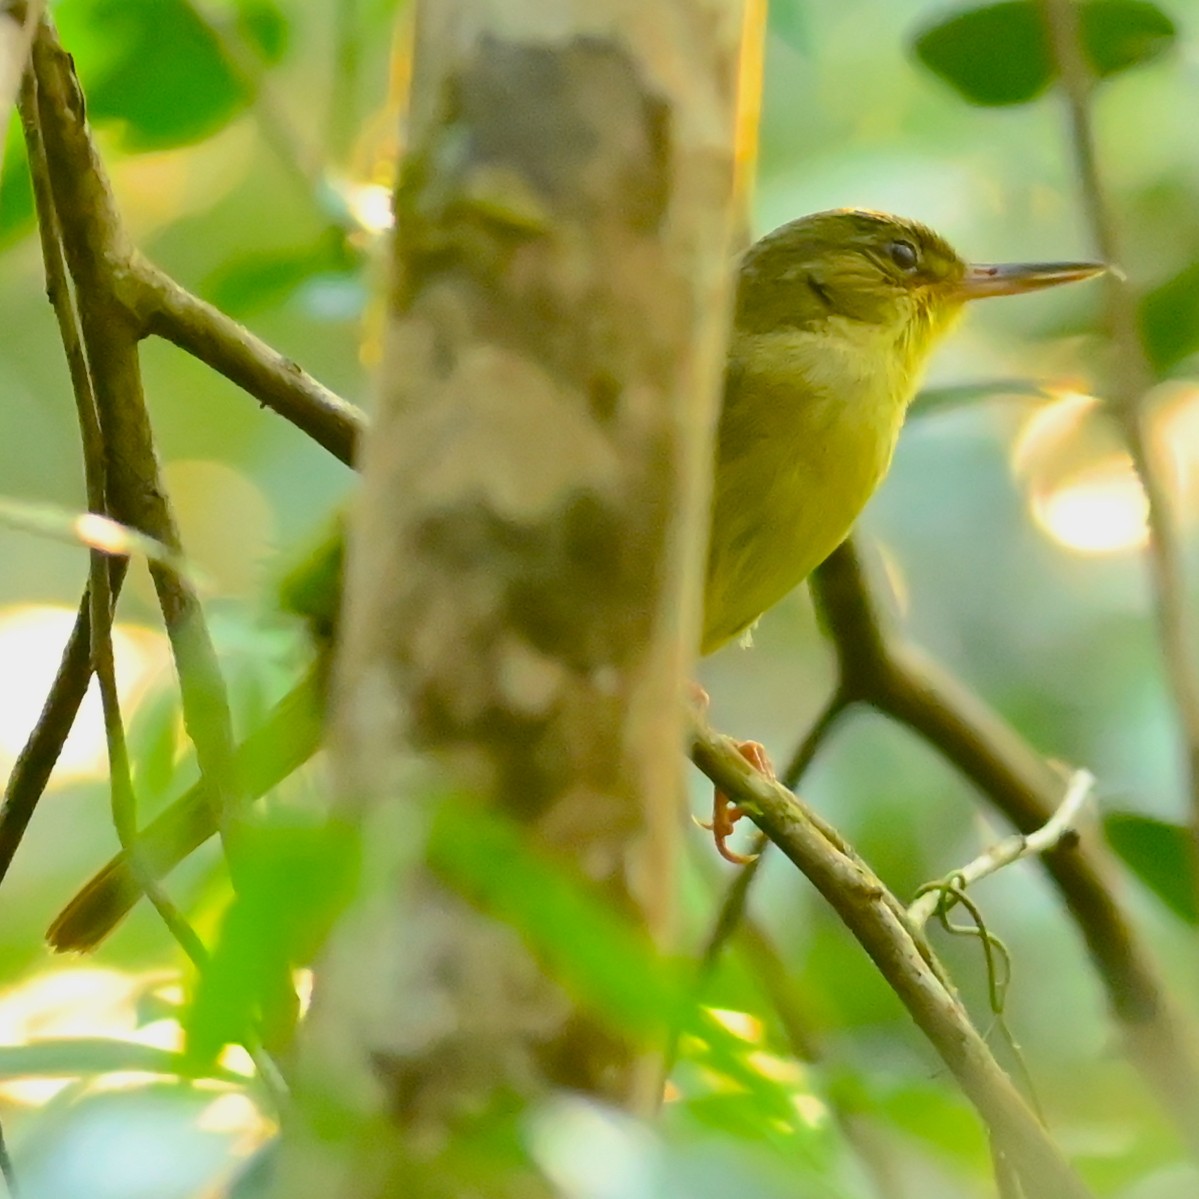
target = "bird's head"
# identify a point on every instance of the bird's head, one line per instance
(875, 271)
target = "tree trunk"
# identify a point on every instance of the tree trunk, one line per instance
(521, 604)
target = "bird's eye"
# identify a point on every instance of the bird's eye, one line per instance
(904, 255)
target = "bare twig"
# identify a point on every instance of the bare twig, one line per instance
(33, 767)
(161, 306)
(1060, 826)
(99, 596)
(97, 253)
(123, 797)
(1129, 379)
(88, 352)
(881, 926)
(154, 303)
(731, 911)
(879, 669)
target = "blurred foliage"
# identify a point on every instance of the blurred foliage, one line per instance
(292, 881)
(1159, 854)
(999, 54)
(161, 70)
(1170, 319)
(210, 115)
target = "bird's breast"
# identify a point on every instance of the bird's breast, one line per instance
(807, 431)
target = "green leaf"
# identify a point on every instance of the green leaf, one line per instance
(264, 26)
(293, 880)
(1118, 34)
(66, 1057)
(1169, 318)
(999, 54)
(157, 68)
(995, 55)
(598, 956)
(1159, 854)
(601, 959)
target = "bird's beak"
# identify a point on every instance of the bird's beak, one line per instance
(1014, 278)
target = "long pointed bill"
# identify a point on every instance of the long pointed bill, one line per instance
(1015, 278)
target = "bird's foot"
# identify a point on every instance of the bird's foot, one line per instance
(726, 814)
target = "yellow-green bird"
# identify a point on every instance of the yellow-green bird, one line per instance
(836, 315)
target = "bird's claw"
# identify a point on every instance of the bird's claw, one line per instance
(725, 814)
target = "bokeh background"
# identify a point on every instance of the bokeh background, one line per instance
(250, 145)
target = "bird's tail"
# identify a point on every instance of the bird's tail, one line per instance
(288, 737)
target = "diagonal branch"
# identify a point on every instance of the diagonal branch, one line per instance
(97, 253)
(880, 924)
(139, 299)
(159, 305)
(879, 669)
(100, 595)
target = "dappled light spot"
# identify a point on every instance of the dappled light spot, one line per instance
(370, 206)
(1101, 510)
(234, 1114)
(303, 980)
(32, 637)
(741, 1024)
(79, 1003)
(1078, 479)
(1054, 431)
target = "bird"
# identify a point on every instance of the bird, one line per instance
(835, 317)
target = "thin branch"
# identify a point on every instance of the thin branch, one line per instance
(1130, 378)
(1061, 826)
(33, 767)
(37, 759)
(99, 596)
(877, 668)
(879, 923)
(124, 818)
(97, 253)
(161, 306)
(731, 911)
(209, 726)
(122, 794)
